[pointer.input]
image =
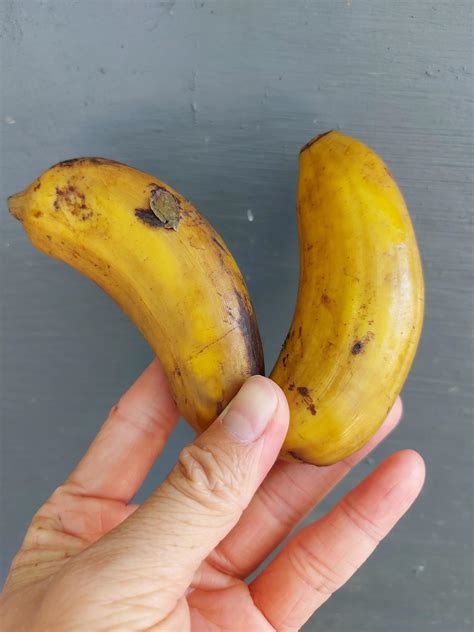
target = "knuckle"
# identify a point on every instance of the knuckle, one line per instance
(313, 569)
(46, 524)
(207, 477)
(148, 421)
(284, 509)
(361, 521)
(287, 508)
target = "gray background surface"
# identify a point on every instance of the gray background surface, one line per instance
(216, 98)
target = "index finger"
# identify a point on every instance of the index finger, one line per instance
(130, 440)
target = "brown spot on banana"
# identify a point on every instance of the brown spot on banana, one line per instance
(308, 400)
(359, 345)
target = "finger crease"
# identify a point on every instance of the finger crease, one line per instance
(324, 579)
(361, 521)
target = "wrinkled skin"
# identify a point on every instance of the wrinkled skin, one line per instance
(91, 561)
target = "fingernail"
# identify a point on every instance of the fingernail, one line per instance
(251, 410)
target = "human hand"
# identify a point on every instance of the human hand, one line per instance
(91, 561)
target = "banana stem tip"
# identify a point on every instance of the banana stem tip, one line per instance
(16, 205)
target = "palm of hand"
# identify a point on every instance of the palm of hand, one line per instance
(92, 561)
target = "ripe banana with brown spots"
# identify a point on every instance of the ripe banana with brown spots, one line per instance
(359, 310)
(152, 252)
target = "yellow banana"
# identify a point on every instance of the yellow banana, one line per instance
(359, 310)
(147, 247)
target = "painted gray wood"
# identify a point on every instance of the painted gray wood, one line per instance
(216, 98)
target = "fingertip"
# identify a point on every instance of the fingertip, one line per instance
(413, 465)
(265, 383)
(281, 415)
(403, 474)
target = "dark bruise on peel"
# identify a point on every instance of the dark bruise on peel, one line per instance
(75, 201)
(218, 244)
(251, 335)
(315, 140)
(308, 400)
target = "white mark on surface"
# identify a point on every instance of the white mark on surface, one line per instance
(453, 389)
(206, 139)
(9, 120)
(250, 216)
(418, 570)
(194, 110)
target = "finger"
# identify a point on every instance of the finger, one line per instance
(286, 496)
(323, 556)
(130, 441)
(86, 517)
(169, 536)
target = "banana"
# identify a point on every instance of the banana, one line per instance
(152, 252)
(359, 310)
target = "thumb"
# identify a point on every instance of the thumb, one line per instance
(205, 493)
